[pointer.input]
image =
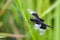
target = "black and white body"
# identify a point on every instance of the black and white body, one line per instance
(38, 22)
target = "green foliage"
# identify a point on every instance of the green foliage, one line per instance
(49, 10)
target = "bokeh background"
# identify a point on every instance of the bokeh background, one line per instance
(15, 20)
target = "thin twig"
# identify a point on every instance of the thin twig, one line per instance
(4, 35)
(5, 7)
(13, 26)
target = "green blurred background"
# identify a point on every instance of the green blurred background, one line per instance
(15, 20)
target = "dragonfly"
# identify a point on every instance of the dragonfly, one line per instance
(39, 22)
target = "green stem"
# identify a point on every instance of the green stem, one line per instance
(18, 4)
